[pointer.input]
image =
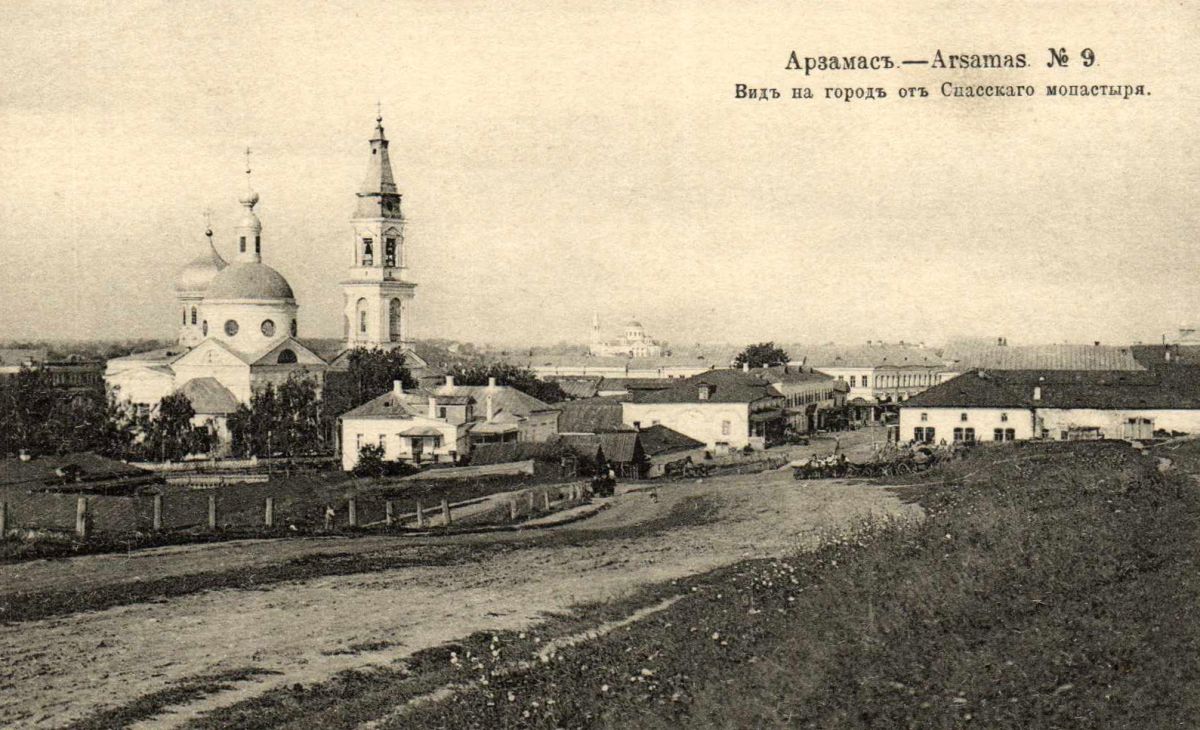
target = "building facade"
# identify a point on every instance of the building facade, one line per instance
(633, 342)
(725, 409)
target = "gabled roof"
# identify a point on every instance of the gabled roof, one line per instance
(505, 399)
(547, 452)
(592, 415)
(725, 386)
(304, 356)
(579, 387)
(209, 397)
(210, 344)
(658, 439)
(791, 374)
(388, 405)
(1168, 388)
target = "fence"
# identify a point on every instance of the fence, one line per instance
(260, 508)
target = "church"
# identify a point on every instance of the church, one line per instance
(238, 319)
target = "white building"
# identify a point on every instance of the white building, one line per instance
(239, 319)
(1056, 404)
(633, 342)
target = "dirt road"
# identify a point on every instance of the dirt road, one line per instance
(58, 670)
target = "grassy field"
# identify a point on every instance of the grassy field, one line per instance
(1051, 585)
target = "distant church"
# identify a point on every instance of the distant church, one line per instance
(238, 322)
(633, 342)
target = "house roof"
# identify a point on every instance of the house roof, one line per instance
(505, 398)
(581, 387)
(1168, 388)
(864, 356)
(632, 385)
(1044, 357)
(209, 397)
(42, 469)
(592, 415)
(658, 440)
(484, 454)
(725, 386)
(388, 405)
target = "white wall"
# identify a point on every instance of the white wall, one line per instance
(701, 421)
(249, 315)
(983, 420)
(396, 448)
(141, 385)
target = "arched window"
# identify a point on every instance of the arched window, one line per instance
(361, 309)
(368, 257)
(185, 315)
(193, 315)
(389, 252)
(286, 357)
(345, 326)
(293, 328)
(394, 310)
(258, 244)
(204, 328)
(242, 244)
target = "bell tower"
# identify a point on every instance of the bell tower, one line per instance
(376, 296)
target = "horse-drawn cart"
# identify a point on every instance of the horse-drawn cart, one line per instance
(884, 463)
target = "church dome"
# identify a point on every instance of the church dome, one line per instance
(199, 273)
(249, 280)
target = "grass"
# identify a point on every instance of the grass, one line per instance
(300, 501)
(35, 605)
(1050, 585)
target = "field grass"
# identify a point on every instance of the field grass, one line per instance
(1050, 585)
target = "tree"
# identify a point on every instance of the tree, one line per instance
(26, 403)
(170, 435)
(370, 461)
(523, 379)
(278, 421)
(763, 354)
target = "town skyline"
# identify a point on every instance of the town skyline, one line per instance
(733, 224)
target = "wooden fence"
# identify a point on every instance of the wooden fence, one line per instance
(254, 508)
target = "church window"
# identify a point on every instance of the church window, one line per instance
(268, 328)
(231, 327)
(394, 311)
(204, 328)
(185, 316)
(285, 357)
(242, 244)
(361, 308)
(258, 244)
(389, 252)
(193, 315)
(368, 256)
(293, 328)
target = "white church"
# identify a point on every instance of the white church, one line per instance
(238, 319)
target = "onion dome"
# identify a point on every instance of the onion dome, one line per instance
(199, 273)
(249, 280)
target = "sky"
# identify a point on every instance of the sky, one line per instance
(560, 159)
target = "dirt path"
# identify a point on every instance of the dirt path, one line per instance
(58, 670)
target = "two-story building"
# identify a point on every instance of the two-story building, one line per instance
(877, 375)
(724, 409)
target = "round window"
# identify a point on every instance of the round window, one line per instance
(268, 328)
(231, 327)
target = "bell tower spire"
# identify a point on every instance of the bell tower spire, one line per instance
(377, 298)
(249, 228)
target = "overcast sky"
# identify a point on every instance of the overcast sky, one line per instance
(593, 158)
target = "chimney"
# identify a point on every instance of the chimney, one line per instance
(1096, 343)
(1167, 354)
(491, 382)
(432, 407)
(449, 381)
(491, 408)
(398, 387)
(1037, 392)
(746, 367)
